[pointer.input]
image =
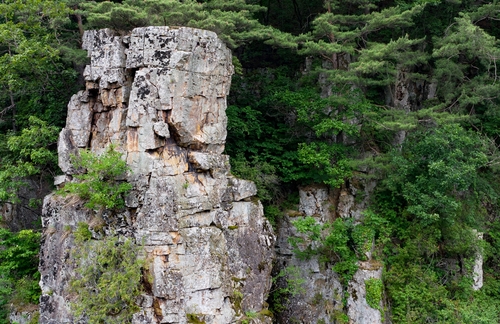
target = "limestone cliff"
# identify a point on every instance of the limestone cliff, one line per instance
(159, 95)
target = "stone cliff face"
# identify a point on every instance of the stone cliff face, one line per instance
(159, 95)
(323, 298)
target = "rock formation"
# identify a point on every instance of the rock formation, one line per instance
(323, 298)
(159, 95)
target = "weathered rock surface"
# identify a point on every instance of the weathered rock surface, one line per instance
(408, 95)
(477, 270)
(358, 309)
(159, 95)
(321, 299)
(24, 317)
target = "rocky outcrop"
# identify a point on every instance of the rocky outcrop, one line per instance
(358, 308)
(321, 297)
(159, 95)
(477, 269)
(406, 95)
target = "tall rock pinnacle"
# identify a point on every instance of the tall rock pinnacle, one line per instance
(159, 95)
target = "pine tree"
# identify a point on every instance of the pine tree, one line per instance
(234, 21)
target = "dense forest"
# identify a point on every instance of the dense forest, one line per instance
(400, 93)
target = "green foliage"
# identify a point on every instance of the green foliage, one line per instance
(82, 232)
(291, 127)
(35, 318)
(418, 295)
(431, 199)
(262, 173)
(33, 78)
(19, 274)
(287, 283)
(324, 159)
(327, 161)
(272, 213)
(236, 299)
(99, 185)
(194, 319)
(363, 237)
(453, 52)
(291, 123)
(251, 314)
(340, 317)
(434, 169)
(29, 153)
(233, 21)
(334, 243)
(108, 281)
(374, 288)
(344, 30)
(258, 135)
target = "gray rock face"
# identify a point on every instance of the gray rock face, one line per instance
(321, 298)
(159, 95)
(358, 309)
(477, 270)
(21, 317)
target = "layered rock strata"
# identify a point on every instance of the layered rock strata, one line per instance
(159, 95)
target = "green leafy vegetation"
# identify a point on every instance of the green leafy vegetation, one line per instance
(434, 203)
(374, 289)
(34, 77)
(108, 281)
(82, 232)
(26, 154)
(334, 243)
(288, 283)
(194, 318)
(100, 186)
(233, 21)
(19, 274)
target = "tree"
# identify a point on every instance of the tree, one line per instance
(31, 72)
(109, 280)
(29, 154)
(233, 21)
(19, 274)
(99, 184)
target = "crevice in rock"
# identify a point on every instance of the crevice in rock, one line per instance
(133, 216)
(174, 135)
(157, 310)
(191, 166)
(154, 151)
(197, 146)
(335, 201)
(93, 93)
(91, 135)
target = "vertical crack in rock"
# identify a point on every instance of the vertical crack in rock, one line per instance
(159, 95)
